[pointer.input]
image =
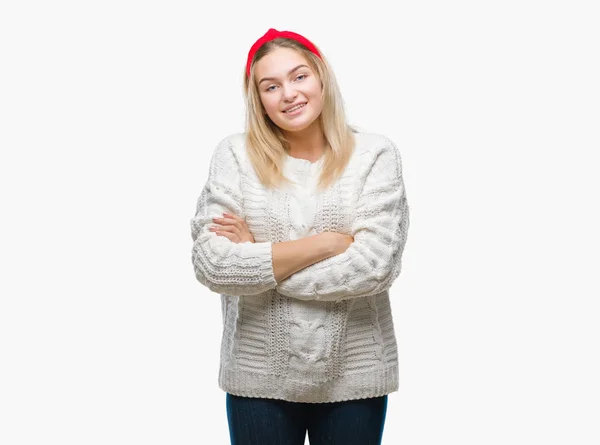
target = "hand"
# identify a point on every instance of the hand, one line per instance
(232, 227)
(337, 242)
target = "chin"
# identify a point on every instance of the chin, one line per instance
(297, 127)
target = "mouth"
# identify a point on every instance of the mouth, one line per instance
(295, 107)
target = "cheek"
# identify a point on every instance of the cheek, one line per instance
(315, 89)
(315, 94)
(269, 104)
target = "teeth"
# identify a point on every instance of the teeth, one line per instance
(295, 108)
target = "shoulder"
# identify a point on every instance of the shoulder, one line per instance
(373, 146)
(230, 150)
(232, 143)
(379, 155)
(373, 143)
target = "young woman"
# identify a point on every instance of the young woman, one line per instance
(301, 227)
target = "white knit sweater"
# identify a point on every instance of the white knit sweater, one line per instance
(326, 333)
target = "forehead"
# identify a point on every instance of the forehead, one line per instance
(278, 62)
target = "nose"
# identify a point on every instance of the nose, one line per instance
(289, 93)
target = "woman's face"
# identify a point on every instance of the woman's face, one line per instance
(286, 80)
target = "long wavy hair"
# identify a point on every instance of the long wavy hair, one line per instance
(265, 142)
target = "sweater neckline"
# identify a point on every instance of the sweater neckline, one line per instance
(304, 163)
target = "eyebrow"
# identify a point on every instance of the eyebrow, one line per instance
(289, 72)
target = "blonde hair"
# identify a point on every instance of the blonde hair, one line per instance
(266, 144)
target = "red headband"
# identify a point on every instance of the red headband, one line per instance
(272, 34)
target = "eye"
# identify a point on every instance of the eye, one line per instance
(300, 77)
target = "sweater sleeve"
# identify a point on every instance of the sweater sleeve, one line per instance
(220, 264)
(380, 228)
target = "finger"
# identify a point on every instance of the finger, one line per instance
(231, 215)
(232, 229)
(228, 228)
(241, 221)
(226, 221)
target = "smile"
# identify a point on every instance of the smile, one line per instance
(297, 107)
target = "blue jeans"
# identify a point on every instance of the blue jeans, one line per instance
(256, 421)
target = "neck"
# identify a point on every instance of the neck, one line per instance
(306, 144)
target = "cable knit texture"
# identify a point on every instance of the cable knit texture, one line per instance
(326, 333)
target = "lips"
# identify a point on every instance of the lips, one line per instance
(294, 106)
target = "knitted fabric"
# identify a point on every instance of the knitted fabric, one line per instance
(325, 333)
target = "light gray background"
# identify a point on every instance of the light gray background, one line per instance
(109, 114)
